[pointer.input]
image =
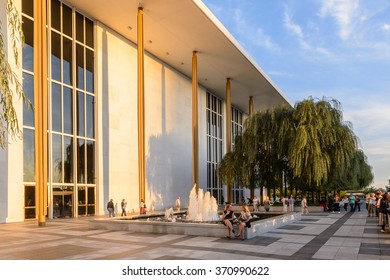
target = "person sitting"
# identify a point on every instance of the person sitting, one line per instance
(228, 218)
(245, 221)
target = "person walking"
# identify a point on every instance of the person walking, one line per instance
(255, 204)
(357, 203)
(345, 202)
(284, 201)
(111, 208)
(352, 202)
(383, 212)
(371, 205)
(304, 205)
(178, 204)
(142, 207)
(291, 202)
(123, 206)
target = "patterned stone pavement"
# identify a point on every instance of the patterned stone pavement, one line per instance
(320, 236)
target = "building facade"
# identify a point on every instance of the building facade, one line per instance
(93, 110)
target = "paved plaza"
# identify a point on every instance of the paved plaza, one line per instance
(320, 236)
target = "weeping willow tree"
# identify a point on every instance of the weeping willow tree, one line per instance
(359, 174)
(307, 144)
(321, 142)
(10, 86)
(257, 158)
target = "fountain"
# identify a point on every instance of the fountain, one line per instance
(201, 220)
(170, 215)
(202, 207)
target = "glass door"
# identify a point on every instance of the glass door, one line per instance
(86, 201)
(63, 201)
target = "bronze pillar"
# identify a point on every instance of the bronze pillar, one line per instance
(141, 105)
(40, 109)
(195, 140)
(229, 131)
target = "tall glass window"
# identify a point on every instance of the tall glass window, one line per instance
(214, 145)
(236, 122)
(71, 108)
(28, 112)
(72, 96)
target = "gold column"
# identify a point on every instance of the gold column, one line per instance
(228, 130)
(195, 143)
(141, 104)
(250, 105)
(40, 109)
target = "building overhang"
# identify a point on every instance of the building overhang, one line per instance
(173, 29)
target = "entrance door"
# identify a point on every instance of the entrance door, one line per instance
(62, 205)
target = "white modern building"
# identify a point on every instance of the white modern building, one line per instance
(142, 100)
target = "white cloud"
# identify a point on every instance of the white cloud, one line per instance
(303, 39)
(296, 30)
(345, 12)
(252, 33)
(386, 27)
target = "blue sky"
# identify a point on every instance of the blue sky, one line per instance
(324, 48)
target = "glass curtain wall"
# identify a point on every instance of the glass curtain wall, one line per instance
(236, 122)
(72, 101)
(71, 112)
(214, 145)
(28, 113)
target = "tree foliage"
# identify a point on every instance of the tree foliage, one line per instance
(310, 144)
(10, 86)
(321, 141)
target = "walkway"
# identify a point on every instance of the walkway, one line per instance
(323, 236)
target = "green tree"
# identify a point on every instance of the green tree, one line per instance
(257, 159)
(321, 141)
(310, 145)
(10, 86)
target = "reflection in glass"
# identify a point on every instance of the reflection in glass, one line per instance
(29, 196)
(67, 62)
(90, 162)
(80, 114)
(81, 201)
(68, 110)
(90, 116)
(91, 195)
(55, 15)
(68, 159)
(57, 158)
(80, 66)
(81, 209)
(91, 209)
(67, 20)
(29, 213)
(81, 195)
(28, 87)
(55, 56)
(79, 27)
(56, 118)
(28, 47)
(80, 161)
(89, 33)
(68, 205)
(89, 72)
(28, 7)
(28, 155)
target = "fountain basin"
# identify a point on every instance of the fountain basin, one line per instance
(212, 229)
